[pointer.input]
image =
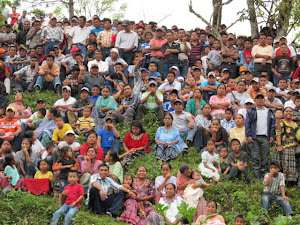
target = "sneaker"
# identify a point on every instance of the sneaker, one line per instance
(111, 215)
(37, 88)
(58, 89)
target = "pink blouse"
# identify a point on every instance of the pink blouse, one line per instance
(215, 100)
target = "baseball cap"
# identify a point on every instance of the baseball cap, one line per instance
(174, 92)
(41, 100)
(255, 79)
(67, 88)
(272, 89)
(211, 74)
(248, 71)
(69, 132)
(75, 19)
(2, 50)
(114, 50)
(125, 23)
(197, 68)
(94, 65)
(144, 69)
(243, 68)
(295, 81)
(143, 89)
(224, 69)
(153, 82)
(241, 36)
(55, 46)
(178, 100)
(293, 92)
(109, 118)
(53, 17)
(259, 95)
(75, 50)
(23, 47)
(159, 28)
(174, 67)
(282, 37)
(230, 36)
(75, 68)
(11, 108)
(249, 100)
(84, 89)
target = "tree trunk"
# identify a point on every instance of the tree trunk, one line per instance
(217, 16)
(71, 8)
(252, 18)
(285, 10)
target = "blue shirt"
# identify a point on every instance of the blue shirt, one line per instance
(228, 125)
(97, 31)
(106, 139)
(94, 98)
(205, 84)
(168, 107)
(156, 74)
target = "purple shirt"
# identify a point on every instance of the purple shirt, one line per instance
(94, 167)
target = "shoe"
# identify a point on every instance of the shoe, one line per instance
(188, 143)
(37, 88)
(111, 215)
(58, 89)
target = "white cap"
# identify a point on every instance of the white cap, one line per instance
(114, 50)
(69, 132)
(174, 67)
(67, 88)
(249, 100)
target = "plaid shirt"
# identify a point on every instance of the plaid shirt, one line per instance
(26, 73)
(133, 101)
(104, 38)
(227, 125)
(51, 32)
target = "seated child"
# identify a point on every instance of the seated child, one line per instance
(217, 133)
(2, 162)
(95, 93)
(228, 123)
(239, 220)
(73, 193)
(169, 105)
(62, 127)
(274, 190)
(10, 174)
(209, 158)
(223, 164)
(43, 173)
(50, 146)
(41, 113)
(24, 111)
(238, 160)
(86, 123)
(186, 94)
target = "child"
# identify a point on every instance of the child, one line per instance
(74, 194)
(239, 220)
(274, 190)
(245, 57)
(186, 94)
(2, 162)
(214, 57)
(115, 167)
(223, 164)
(10, 173)
(169, 106)
(238, 161)
(228, 123)
(278, 116)
(43, 173)
(197, 74)
(95, 93)
(41, 113)
(282, 91)
(24, 111)
(49, 148)
(36, 144)
(109, 136)
(60, 131)
(209, 158)
(92, 38)
(65, 164)
(153, 72)
(217, 133)
(2, 112)
(85, 124)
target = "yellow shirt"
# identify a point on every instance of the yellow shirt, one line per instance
(262, 50)
(85, 123)
(238, 133)
(59, 134)
(39, 175)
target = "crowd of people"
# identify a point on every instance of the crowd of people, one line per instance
(232, 99)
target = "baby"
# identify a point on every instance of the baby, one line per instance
(40, 117)
(23, 111)
(186, 93)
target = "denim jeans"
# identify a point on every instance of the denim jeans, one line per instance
(260, 156)
(189, 134)
(43, 84)
(183, 68)
(66, 208)
(268, 198)
(82, 48)
(166, 68)
(49, 45)
(105, 53)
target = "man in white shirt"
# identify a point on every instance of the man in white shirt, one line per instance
(64, 103)
(80, 35)
(169, 86)
(102, 66)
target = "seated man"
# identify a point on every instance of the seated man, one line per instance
(21, 60)
(170, 85)
(39, 53)
(102, 66)
(49, 76)
(117, 76)
(64, 103)
(88, 80)
(271, 101)
(8, 37)
(69, 62)
(72, 80)
(209, 88)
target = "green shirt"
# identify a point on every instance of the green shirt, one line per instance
(151, 104)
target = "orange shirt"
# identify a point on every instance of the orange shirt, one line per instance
(254, 93)
(9, 128)
(54, 69)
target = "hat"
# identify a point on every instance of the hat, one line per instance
(255, 79)
(295, 81)
(109, 118)
(293, 92)
(197, 68)
(69, 132)
(159, 28)
(248, 71)
(55, 46)
(75, 50)
(144, 88)
(174, 91)
(230, 36)
(67, 88)
(259, 95)
(2, 50)
(41, 100)
(146, 32)
(75, 67)
(243, 68)
(75, 19)
(41, 17)
(272, 89)
(94, 65)
(114, 50)
(282, 37)
(224, 69)
(178, 100)
(53, 17)
(125, 23)
(249, 100)
(153, 82)
(23, 47)
(174, 67)
(151, 78)
(84, 89)
(211, 74)
(144, 69)
(241, 36)
(11, 108)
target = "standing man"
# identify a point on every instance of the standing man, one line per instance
(127, 42)
(14, 16)
(105, 37)
(22, 35)
(185, 49)
(260, 132)
(97, 25)
(22, 20)
(229, 56)
(196, 48)
(52, 35)
(34, 35)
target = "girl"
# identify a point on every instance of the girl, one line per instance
(6, 149)
(44, 173)
(161, 181)
(137, 140)
(209, 158)
(238, 132)
(65, 164)
(115, 167)
(195, 105)
(212, 212)
(204, 119)
(2, 162)
(217, 133)
(223, 164)
(10, 174)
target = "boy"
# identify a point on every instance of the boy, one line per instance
(62, 128)
(228, 123)
(186, 94)
(95, 93)
(214, 57)
(225, 74)
(74, 194)
(47, 154)
(239, 220)
(274, 183)
(169, 105)
(282, 92)
(238, 161)
(153, 72)
(109, 138)
(245, 56)
(86, 123)
(41, 113)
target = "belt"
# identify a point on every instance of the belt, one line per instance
(52, 40)
(79, 44)
(185, 60)
(229, 63)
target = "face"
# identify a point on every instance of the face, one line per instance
(135, 130)
(86, 112)
(91, 153)
(118, 68)
(263, 81)
(141, 173)
(152, 67)
(73, 178)
(211, 208)
(170, 191)
(81, 22)
(171, 78)
(95, 91)
(59, 122)
(231, 83)
(168, 120)
(43, 166)
(206, 110)
(211, 79)
(12, 51)
(260, 101)
(173, 97)
(33, 61)
(224, 39)
(10, 114)
(215, 124)
(66, 94)
(25, 144)
(170, 37)
(288, 113)
(241, 87)
(196, 176)
(105, 92)
(283, 49)
(92, 138)
(210, 146)
(202, 38)
(159, 33)
(53, 22)
(262, 40)
(255, 86)
(236, 146)
(18, 97)
(221, 90)
(50, 61)
(127, 180)
(94, 70)
(6, 146)
(223, 152)
(297, 103)
(228, 115)
(278, 114)
(192, 82)
(282, 84)
(197, 94)
(271, 94)
(275, 169)
(127, 90)
(239, 221)
(178, 107)
(239, 120)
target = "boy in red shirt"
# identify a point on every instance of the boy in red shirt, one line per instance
(74, 194)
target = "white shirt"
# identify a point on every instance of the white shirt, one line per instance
(282, 92)
(175, 85)
(75, 144)
(6, 12)
(127, 39)
(290, 103)
(103, 66)
(243, 112)
(262, 121)
(37, 146)
(70, 101)
(80, 35)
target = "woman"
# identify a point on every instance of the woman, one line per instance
(167, 141)
(239, 96)
(219, 102)
(172, 201)
(136, 141)
(284, 154)
(145, 192)
(6, 149)
(89, 166)
(195, 105)
(17, 105)
(211, 210)
(92, 142)
(104, 105)
(184, 178)
(27, 160)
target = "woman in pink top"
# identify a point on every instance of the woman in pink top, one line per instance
(219, 102)
(17, 105)
(211, 210)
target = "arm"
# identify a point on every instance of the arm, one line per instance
(77, 201)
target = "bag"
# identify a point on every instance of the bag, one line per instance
(37, 186)
(49, 78)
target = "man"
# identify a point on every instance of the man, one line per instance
(70, 61)
(14, 16)
(88, 80)
(127, 108)
(63, 104)
(39, 53)
(10, 128)
(19, 62)
(260, 132)
(196, 48)
(102, 66)
(170, 51)
(49, 76)
(22, 19)
(34, 35)
(105, 37)
(291, 103)
(209, 88)
(272, 102)
(117, 77)
(114, 58)
(185, 49)
(80, 35)
(98, 198)
(26, 77)
(52, 35)
(155, 45)
(229, 56)
(262, 54)
(170, 85)
(22, 35)
(8, 37)
(255, 89)
(127, 42)
(240, 43)
(151, 101)
(97, 25)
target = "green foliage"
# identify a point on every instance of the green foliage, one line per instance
(58, 12)
(3, 17)
(37, 12)
(185, 211)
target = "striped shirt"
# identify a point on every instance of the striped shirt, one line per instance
(228, 125)
(26, 73)
(127, 39)
(104, 38)
(195, 51)
(151, 104)
(275, 184)
(51, 32)
(9, 128)
(85, 123)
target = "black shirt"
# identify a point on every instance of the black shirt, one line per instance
(63, 175)
(173, 57)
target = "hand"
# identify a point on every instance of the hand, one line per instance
(115, 84)
(70, 166)
(279, 148)
(284, 198)
(2, 132)
(278, 75)
(126, 50)
(191, 125)
(271, 139)
(250, 140)
(67, 71)
(103, 195)
(168, 175)
(213, 170)
(64, 192)
(204, 184)
(73, 205)
(132, 194)
(165, 144)
(8, 177)
(214, 162)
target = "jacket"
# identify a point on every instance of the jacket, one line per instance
(250, 123)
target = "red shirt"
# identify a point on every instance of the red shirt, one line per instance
(41, 58)
(278, 52)
(74, 192)
(132, 143)
(84, 148)
(14, 20)
(2, 73)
